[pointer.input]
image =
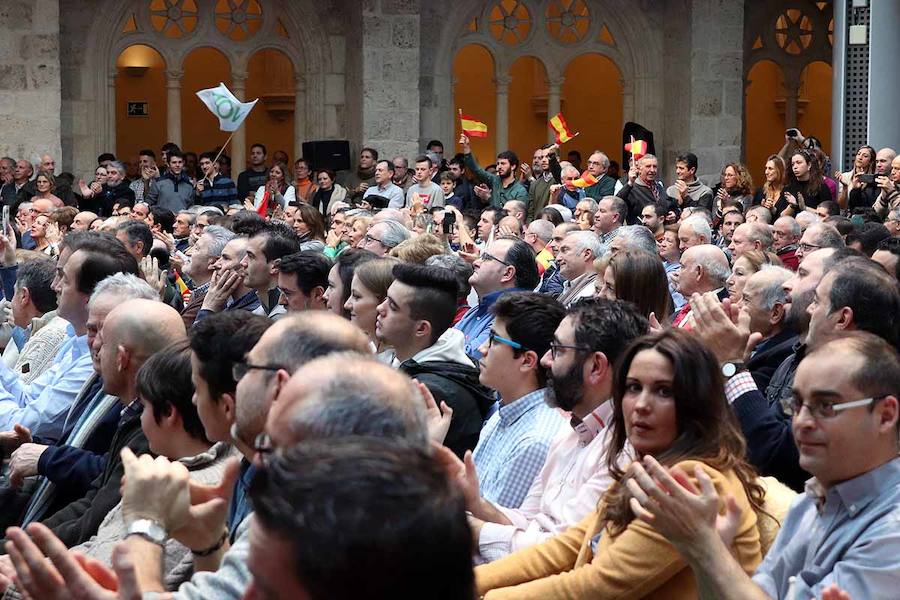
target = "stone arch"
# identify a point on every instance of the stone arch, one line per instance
(308, 47)
(641, 67)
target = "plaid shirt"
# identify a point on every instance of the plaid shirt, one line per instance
(513, 446)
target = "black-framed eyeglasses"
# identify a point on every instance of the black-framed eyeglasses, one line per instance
(555, 348)
(370, 238)
(828, 410)
(808, 247)
(242, 368)
(493, 337)
(489, 256)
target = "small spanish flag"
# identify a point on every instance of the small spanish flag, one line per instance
(558, 124)
(586, 180)
(181, 285)
(263, 208)
(638, 148)
(472, 127)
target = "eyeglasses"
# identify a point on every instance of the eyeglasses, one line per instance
(263, 444)
(555, 349)
(242, 368)
(808, 247)
(493, 337)
(285, 292)
(370, 238)
(488, 256)
(827, 410)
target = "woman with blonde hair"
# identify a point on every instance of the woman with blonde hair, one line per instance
(418, 249)
(749, 263)
(771, 193)
(668, 403)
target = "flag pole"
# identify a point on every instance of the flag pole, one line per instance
(460, 121)
(222, 149)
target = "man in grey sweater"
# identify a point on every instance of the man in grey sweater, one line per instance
(174, 190)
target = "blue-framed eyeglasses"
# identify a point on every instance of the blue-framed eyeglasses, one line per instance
(493, 337)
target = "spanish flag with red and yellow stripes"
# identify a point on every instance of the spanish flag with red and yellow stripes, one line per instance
(472, 127)
(558, 124)
(638, 148)
(586, 180)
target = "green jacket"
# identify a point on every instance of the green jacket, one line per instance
(499, 194)
(605, 187)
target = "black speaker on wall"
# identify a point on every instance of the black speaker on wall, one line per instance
(328, 154)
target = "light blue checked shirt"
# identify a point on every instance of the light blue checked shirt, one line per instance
(42, 405)
(512, 448)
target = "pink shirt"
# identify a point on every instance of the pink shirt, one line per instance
(566, 490)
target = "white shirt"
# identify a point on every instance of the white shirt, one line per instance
(566, 490)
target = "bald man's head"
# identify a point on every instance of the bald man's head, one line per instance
(297, 338)
(347, 394)
(704, 268)
(143, 327)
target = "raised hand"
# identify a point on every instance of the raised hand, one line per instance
(153, 274)
(724, 331)
(23, 462)
(464, 144)
(436, 419)
(672, 504)
(208, 510)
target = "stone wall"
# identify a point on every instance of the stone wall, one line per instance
(29, 79)
(717, 84)
(390, 76)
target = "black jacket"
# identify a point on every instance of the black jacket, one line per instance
(78, 521)
(762, 364)
(767, 428)
(457, 385)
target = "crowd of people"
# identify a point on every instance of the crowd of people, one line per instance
(430, 378)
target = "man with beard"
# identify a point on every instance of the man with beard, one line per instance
(585, 347)
(505, 185)
(765, 422)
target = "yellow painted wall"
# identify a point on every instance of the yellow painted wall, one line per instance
(592, 105)
(203, 68)
(476, 94)
(816, 87)
(271, 77)
(764, 125)
(527, 107)
(135, 133)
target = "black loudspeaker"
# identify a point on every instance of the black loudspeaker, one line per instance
(328, 154)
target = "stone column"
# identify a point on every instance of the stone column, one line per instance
(299, 113)
(554, 104)
(239, 140)
(173, 114)
(109, 140)
(502, 85)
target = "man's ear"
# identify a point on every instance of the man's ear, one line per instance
(25, 295)
(597, 366)
(227, 406)
(317, 295)
(845, 318)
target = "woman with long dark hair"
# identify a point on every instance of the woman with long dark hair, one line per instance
(669, 403)
(807, 185)
(863, 164)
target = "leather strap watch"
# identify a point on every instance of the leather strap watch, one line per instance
(149, 530)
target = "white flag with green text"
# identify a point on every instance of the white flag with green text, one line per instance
(230, 111)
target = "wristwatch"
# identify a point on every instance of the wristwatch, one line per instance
(149, 530)
(732, 368)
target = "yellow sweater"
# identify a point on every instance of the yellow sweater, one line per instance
(638, 563)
